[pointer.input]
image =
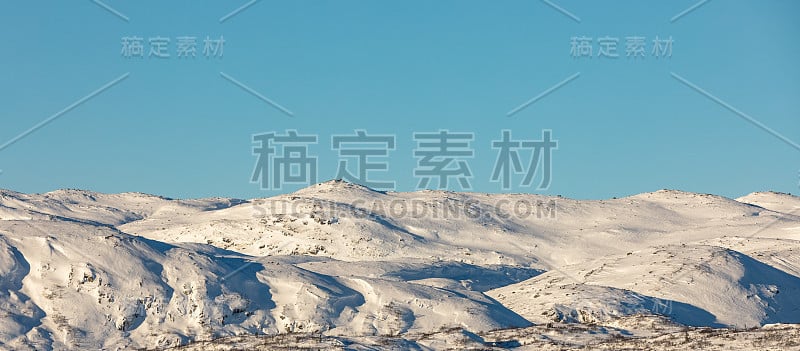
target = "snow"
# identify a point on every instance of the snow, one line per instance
(780, 202)
(338, 263)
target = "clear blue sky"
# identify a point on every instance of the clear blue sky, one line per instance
(175, 127)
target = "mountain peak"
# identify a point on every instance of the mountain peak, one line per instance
(773, 200)
(336, 185)
(770, 193)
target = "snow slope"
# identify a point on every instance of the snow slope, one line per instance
(80, 269)
(68, 285)
(693, 284)
(779, 202)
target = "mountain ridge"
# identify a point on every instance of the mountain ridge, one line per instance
(116, 271)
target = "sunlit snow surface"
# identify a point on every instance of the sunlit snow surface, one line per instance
(338, 265)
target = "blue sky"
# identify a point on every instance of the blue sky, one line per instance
(176, 127)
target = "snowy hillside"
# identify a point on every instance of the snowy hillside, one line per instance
(780, 202)
(340, 263)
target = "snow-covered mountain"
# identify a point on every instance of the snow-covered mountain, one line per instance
(80, 269)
